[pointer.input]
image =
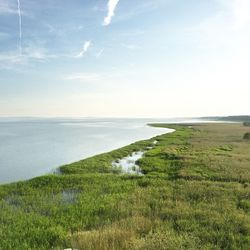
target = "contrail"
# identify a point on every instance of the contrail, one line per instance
(20, 26)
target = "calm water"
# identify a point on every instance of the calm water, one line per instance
(32, 147)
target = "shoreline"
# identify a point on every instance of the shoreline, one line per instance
(47, 147)
(57, 170)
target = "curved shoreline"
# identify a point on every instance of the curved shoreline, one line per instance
(40, 155)
(91, 164)
(169, 130)
(57, 170)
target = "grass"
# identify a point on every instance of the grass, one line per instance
(194, 194)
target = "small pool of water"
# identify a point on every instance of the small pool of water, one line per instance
(128, 163)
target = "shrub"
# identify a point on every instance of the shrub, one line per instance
(246, 136)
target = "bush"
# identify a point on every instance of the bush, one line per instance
(246, 136)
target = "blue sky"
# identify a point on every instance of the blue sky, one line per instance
(124, 58)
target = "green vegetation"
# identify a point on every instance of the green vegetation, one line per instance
(194, 194)
(247, 124)
(246, 136)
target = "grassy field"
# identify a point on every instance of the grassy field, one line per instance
(194, 194)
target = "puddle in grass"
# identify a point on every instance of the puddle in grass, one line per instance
(128, 164)
(69, 196)
(64, 197)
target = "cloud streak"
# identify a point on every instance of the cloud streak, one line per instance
(99, 53)
(85, 77)
(30, 53)
(85, 48)
(20, 26)
(131, 46)
(111, 11)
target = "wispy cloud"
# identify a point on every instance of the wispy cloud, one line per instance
(30, 53)
(85, 48)
(7, 9)
(96, 76)
(111, 11)
(133, 33)
(20, 26)
(99, 53)
(84, 77)
(131, 46)
(34, 52)
(12, 57)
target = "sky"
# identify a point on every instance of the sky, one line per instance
(124, 58)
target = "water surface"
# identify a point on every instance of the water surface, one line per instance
(32, 147)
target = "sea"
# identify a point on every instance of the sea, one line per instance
(31, 147)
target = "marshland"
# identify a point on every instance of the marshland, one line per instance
(193, 193)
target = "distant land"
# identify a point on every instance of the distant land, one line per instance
(237, 118)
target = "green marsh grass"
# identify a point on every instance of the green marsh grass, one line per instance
(194, 194)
